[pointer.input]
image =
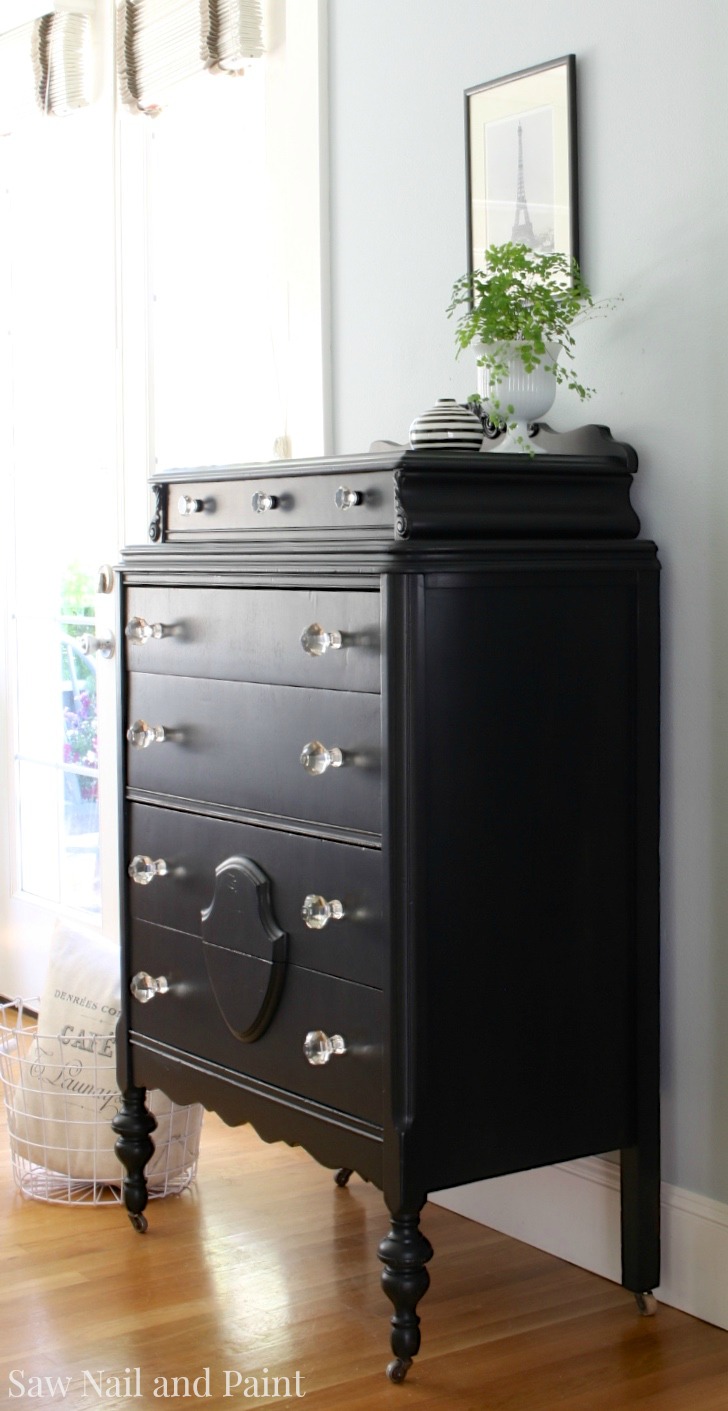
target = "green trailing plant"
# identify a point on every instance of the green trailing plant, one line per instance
(526, 299)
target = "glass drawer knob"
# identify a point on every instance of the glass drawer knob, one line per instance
(319, 1048)
(317, 912)
(144, 987)
(346, 499)
(317, 758)
(187, 504)
(316, 640)
(137, 630)
(143, 870)
(262, 502)
(141, 735)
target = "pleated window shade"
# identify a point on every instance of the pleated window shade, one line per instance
(46, 66)
(65, 63)
(161, 43)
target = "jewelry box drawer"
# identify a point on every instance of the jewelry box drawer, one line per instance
(278, 504)
(255, 634)
(186, 1013)
(239, 745)
(175, 855)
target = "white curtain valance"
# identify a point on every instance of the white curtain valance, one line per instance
(160, 43)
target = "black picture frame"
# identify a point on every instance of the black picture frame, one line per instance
(521, 129)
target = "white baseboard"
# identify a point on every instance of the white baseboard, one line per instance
(572, 1211)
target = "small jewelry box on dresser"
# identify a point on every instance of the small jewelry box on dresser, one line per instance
(390, 825)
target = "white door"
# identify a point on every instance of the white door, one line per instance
(59, 523)
(161, 301)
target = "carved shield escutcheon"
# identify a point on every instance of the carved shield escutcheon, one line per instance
(244, 948)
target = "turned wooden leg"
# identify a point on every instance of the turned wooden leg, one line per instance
(404, 1253)
(134, 1147)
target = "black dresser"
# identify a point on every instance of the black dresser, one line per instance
(390, 825)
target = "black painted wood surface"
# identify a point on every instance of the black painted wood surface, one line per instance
(193, 846)
(239, 744)
(255, 635)
(406, 494)
(495, 840)
(531, 912)
(188, 1018)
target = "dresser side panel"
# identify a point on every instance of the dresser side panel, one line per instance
(527, 1044)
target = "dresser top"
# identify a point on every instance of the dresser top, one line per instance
(393, 496)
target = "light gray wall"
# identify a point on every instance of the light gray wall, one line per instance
(653, 135)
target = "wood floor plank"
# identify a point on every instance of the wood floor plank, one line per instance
(266, 1264)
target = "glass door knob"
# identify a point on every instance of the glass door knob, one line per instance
(101, 644)
(317, 758)
(319, 1048)
(144, 987)
(143, 870)
(317, 912)
(316, 640)
(141, 735)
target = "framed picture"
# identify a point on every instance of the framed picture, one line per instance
(521, 161)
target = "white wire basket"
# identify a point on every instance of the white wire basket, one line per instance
(59, 1105)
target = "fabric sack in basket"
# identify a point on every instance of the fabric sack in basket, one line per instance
(68, 1094)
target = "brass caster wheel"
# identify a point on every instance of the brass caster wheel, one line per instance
(646, 1304)
(342, 1177)
(140, 1223)
(398, 1369)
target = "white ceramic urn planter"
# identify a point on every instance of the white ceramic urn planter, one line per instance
(530, 394)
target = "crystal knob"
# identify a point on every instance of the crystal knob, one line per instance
(137, 630)
(317, 758)
(262, 502)
(143, 870)
(319, 1048)
(317, 912)
(187, 504)
(144, 987)
(316, 640)
(102, 643)
(346, 499)
(141, 735)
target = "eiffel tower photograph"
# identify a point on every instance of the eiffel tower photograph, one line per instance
(519, 180)
(522, 162)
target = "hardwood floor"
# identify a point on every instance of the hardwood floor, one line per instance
(266, 1264)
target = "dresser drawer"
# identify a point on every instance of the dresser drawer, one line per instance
(239, 745)
(299, 502)
(297, 867)
(188, 1017)
(254, 634)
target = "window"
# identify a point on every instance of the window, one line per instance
(218, 391)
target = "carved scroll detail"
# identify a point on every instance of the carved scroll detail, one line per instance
(156, 525)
